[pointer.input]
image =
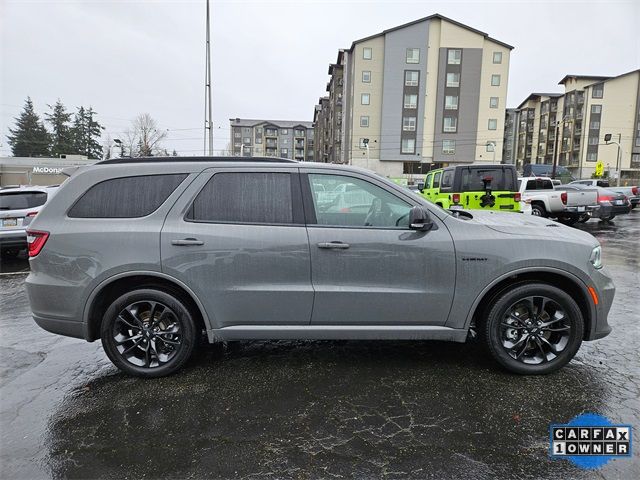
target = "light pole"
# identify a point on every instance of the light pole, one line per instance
(556, 149)
(365, 141)
(607, 139)
(493, 149)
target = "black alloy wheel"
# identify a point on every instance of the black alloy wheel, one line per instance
(534, 329)
(148, 333)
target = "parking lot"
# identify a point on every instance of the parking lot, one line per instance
(311, 409)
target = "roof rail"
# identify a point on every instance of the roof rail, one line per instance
(195, 159)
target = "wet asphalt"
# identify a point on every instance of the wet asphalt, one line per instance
(312, 409)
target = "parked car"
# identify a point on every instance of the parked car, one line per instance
(632, 193)
(18, 205)
(611, 203)
(473, 187)
(546, 170)
(548, 201)
(145, 254)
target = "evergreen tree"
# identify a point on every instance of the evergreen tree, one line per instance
(86, 133)
(29, 138)
(62, 135)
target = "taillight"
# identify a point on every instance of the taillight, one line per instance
(32, 214)
(517, 197)
(563, 197)
(35, 241)
(634, 190)
(604, 198)
(456, 198)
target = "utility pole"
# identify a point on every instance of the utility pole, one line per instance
(608, 141)
(208, 121)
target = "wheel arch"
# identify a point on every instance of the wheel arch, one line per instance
(110, 289)
(557, 278)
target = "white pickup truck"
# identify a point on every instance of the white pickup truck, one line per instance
(632, 193)
(546, 201)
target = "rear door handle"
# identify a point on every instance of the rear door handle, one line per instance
(338, 245)
(187, 242)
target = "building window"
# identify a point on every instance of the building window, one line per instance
(237, 135)
(594, 125)
(413, 55)
(454, 57)
(596, 108)
(363, 145)
(247, 130)
(493, 102)
(284, 151)
(450, 124)
(635, 160)
(593, 140)
(495, 80)
(410, 101)
(284, 132)
(448, 147)
(259, 130)
(365, 99)
(409, 124)
(453, 79)
(592, 157)
(366, 76)
(299, 133)
(259, 140)
(408, 145)
(411, 78)
(497, 57)
(491, 147)
(367, 53)
(364, 121)
(451, 102)
(597, 91)
(492, 124)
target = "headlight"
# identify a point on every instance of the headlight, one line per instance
(596, 257)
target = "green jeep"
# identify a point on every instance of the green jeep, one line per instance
(474, 187)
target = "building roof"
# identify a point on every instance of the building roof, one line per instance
(582, 77)
(606, 79)
(538, 95)
(432, 17)
(247, 122)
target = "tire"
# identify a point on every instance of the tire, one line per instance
(144, 348)
(584, 218)
(568, 220)
(526, 349)
(538, 210)
(608, 219)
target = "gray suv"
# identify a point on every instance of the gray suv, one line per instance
(149, 254)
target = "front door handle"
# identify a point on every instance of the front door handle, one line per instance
(338, 245)
(187, 242)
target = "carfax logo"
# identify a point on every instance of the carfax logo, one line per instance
(590, 440)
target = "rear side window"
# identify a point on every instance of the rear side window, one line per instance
(21, 200)
(602, 183)
(447, 179)
(126, 197)
(539, 184)
(436, 180)
(244, 198)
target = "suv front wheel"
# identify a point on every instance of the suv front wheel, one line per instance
(148, 333)
(534, 329)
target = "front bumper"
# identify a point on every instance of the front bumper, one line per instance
(605, 289)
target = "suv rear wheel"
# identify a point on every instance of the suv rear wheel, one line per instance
(533, 329)
(148, 333)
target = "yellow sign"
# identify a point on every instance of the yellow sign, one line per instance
(599, 168)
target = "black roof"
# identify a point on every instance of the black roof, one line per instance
(194, 159)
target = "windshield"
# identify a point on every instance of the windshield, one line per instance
(21, 200)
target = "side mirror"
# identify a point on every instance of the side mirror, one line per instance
(419, 220)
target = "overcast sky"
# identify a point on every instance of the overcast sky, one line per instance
(269, 58)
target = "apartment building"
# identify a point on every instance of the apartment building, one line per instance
(272, 138)
(425, 94)
(510, 136)
(570, 127)
(321, 126)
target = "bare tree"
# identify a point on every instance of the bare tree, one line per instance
(144, 138)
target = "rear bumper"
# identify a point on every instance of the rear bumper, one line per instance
(67, 328)
(580, 210)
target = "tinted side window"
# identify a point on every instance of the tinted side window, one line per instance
(126, 197)
(500, 179)
(21, 200)
(436, 180)
(602, 183)
(427, 183)
(244, 198)
(447, 179)
(531, 185)
(545, 185)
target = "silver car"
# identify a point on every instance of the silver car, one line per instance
(18, 206)
(148, 254)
